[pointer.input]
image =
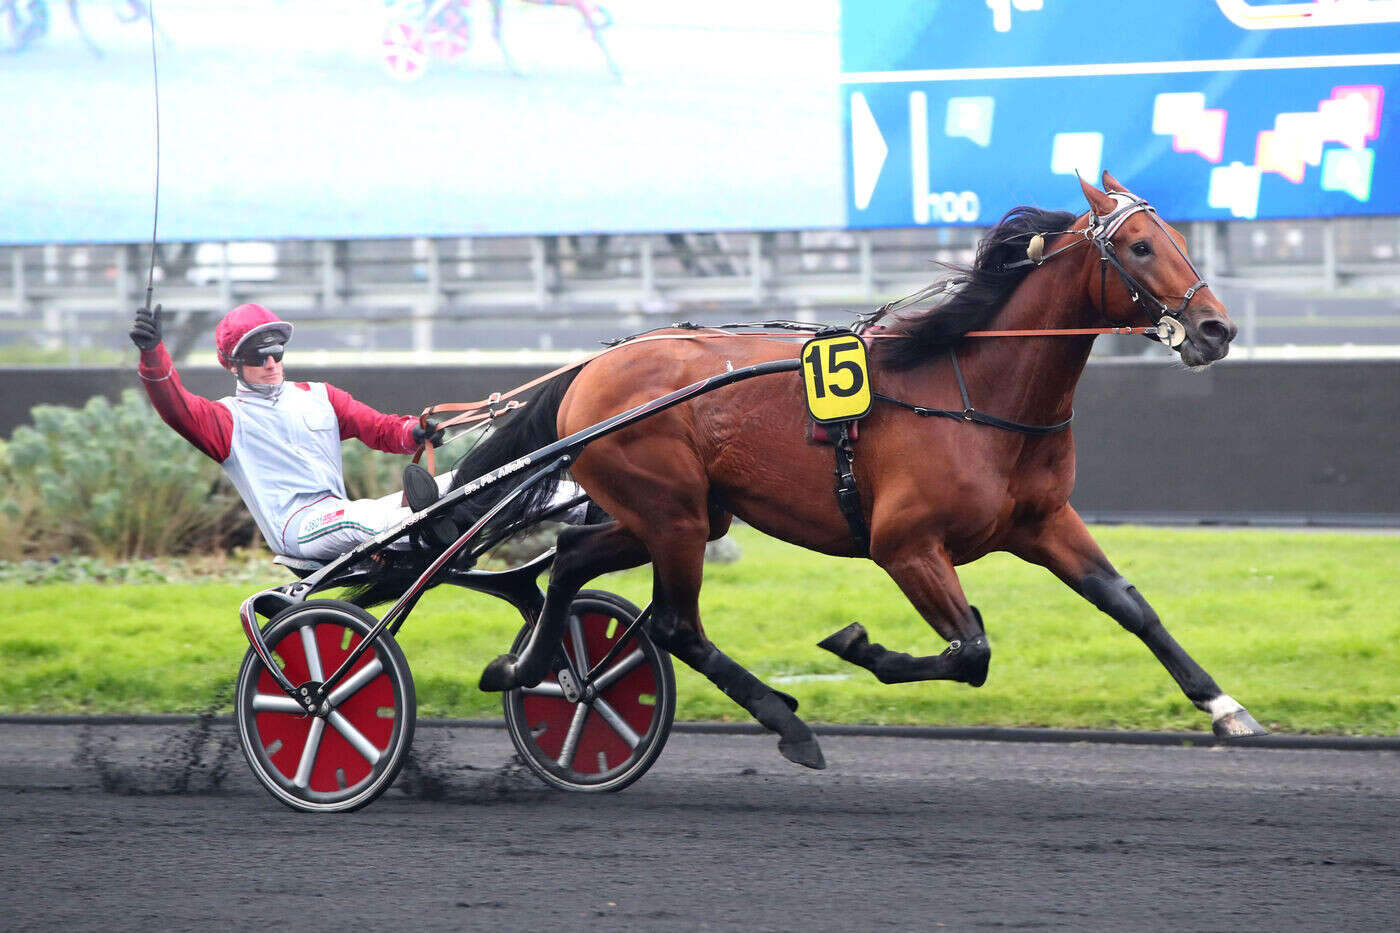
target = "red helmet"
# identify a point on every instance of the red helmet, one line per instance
(249, 327)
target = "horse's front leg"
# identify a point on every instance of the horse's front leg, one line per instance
(926, 575)
(1064, 546)
(584, 552)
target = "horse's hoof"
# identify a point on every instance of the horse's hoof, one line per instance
(973, 658)
(788, 699)
(499, 675)
(805, 752)
(1238, 724)
(844, 643)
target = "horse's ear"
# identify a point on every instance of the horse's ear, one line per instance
(1101, 203)
(1112, 184)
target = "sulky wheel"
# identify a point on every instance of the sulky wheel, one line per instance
(609, 735)
(405, 55)
(346, 759)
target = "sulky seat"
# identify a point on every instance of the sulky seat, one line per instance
(299, 565)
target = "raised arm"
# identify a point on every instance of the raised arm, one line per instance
(205, 424)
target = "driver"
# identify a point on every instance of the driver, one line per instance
(279, 442)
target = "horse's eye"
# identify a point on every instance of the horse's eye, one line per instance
(1142, 248)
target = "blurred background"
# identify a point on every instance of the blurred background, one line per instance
(450, 197)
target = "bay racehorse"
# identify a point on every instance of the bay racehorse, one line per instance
(935, 492)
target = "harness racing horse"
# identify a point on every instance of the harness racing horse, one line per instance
(936, 492)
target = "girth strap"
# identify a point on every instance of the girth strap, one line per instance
(971, 414)
(847, 493)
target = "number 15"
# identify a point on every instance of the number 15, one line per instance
(814, 359)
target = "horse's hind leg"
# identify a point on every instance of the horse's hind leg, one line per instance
(678, 560)
(1064, 546)
(497, 33)
(926, 576)
(584, 552)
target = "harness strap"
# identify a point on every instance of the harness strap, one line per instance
(977, 417)
(962, 384)
(847, 493)
(971, 414)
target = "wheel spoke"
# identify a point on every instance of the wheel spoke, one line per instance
(313, 654)
(365, 674)
(544, 689)
(580, 646)
(619, 724)
(275, 703)
(355, 737)
(308, 753)
(619, 670)
(566, 754)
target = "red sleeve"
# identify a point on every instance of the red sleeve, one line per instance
(390, 433)
(205, 424)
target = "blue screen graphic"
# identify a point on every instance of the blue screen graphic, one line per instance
(1212, 109)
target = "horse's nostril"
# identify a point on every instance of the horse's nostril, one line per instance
(1216, 331)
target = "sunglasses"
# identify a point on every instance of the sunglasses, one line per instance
(258, 356)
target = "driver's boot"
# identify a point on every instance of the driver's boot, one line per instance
(420, 491)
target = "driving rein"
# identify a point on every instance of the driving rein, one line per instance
(1099, 232)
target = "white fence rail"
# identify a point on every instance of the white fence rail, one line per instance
(1329, 284)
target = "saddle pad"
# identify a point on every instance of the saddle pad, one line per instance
(817, 433)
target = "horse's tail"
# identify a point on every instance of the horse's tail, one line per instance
(525, 430)
(517, 434)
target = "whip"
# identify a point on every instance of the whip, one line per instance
(155, 212)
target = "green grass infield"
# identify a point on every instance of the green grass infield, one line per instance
(1301, 627)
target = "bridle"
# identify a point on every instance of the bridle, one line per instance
(1169, 329)
(1099, 232)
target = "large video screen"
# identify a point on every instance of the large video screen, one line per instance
(367, 118)
(956, 111)
(389, 118)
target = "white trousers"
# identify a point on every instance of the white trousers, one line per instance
(332, 526)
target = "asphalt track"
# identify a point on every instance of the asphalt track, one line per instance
(139, 827)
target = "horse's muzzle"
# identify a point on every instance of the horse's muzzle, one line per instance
(1208, 340)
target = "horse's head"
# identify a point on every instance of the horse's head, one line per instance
(1145, 276)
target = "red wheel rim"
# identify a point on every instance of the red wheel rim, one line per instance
(602, 746)
(369, 711)
(404, 54)
(449, 37)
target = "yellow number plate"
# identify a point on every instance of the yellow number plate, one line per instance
(837, 378)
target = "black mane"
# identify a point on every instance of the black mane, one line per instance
(976, 292)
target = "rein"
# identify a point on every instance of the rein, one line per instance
(1099, 232)
(498, 404)
(501, 403)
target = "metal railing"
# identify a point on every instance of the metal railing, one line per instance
(1290, 284)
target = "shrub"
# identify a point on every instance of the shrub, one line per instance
(113, 481)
